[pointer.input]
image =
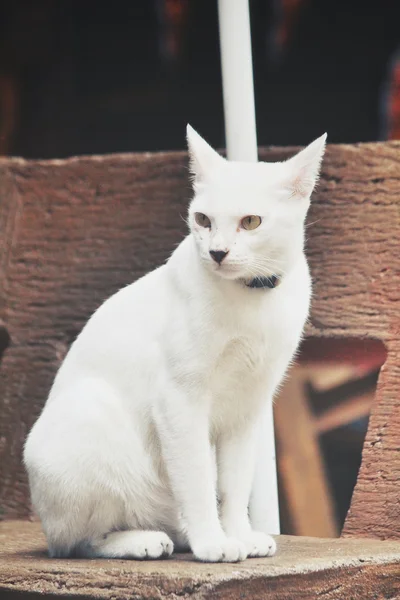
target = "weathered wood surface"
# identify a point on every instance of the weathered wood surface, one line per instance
(75, 231)
(302, 476)
(303, 568)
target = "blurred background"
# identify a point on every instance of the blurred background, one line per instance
(97, 77)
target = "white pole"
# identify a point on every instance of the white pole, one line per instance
(241, 144)
(237, 80)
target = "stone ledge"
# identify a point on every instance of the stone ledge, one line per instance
(303, 568)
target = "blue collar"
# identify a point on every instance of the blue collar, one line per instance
(264, 282)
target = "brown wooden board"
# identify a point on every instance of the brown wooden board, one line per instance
(75, 231)
(303, 567)
(302, 478)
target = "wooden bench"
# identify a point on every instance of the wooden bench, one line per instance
(72, 233)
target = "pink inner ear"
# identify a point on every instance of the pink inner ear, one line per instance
(302, 185)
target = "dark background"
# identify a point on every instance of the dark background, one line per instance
(97, 77)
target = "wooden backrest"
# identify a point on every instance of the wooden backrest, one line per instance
(75, 231)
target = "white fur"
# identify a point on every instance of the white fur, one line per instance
(154, 412)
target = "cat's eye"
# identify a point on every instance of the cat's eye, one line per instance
(250, 222)
(202, 220)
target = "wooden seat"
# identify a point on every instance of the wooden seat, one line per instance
(74, 231)
(315, 567)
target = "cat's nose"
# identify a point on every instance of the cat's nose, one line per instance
(218, 255)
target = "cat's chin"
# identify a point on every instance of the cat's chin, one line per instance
(229, 276)
(228, 272)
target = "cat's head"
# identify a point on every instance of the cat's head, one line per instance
(248, 218)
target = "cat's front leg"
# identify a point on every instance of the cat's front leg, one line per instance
(183, 426)
(236, 463)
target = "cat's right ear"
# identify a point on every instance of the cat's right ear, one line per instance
(202, 158)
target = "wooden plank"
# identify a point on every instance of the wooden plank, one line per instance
(344, 413)
(365, 354)
(323, 377)
(87, 226)
(304, 568)
(301, 469)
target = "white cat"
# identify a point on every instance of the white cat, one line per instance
(148, 437)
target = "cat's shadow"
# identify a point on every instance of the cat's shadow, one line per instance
(39, 553)
(42, 554)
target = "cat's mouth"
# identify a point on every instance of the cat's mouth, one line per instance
(228, 268)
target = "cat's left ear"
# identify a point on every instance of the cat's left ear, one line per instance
(304, 168)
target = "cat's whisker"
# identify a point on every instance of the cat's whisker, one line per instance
(307, 225)
(269, 259)
(273, 264)
(271, 269)
(270, 266)
(184, 219)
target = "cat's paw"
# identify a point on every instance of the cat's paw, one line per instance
(220, 550)
(150, 545)
(259, 544)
